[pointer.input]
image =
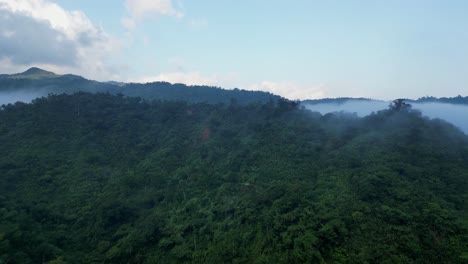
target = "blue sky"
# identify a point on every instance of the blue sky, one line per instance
(299, 49)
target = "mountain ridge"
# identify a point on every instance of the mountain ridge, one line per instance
(43, 82)
(37, 79)
(33, 73)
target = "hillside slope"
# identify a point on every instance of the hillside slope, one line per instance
(109, 179)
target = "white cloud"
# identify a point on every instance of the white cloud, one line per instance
(227, 81)
(71, 23)
(189, 78)
(41, 33)
(140, 9)
(290, 90)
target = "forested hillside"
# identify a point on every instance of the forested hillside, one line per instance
(39, 83)
(100, 178)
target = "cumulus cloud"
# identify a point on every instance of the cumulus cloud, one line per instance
(20, 31)
(41, 33)
(140, 9)
(290, 90)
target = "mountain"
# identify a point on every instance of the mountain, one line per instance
(102, 178)
(35, 83)
(39, 83)
(33, 73)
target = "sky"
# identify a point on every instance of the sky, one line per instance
(302, 49)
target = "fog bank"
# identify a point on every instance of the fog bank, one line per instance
(455, 114)
(19, 96)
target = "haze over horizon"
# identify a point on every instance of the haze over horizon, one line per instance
(300, 50)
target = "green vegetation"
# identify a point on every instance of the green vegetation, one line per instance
(33, 73)
(42, 83)
(39, 82)
(100, 178)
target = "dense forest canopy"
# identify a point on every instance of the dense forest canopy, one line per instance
(101, 178)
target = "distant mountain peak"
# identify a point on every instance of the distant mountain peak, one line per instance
(36, 70)
(35, 73)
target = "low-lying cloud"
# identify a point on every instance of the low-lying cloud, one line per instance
(23, 96)
(289, 89)
(455, 114)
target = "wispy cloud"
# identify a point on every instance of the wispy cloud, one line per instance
(140, 9)
(290, 90)
(189, 78)
(231, 80)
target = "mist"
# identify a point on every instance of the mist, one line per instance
(24, 96)
(361, 108)
(454, 114)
